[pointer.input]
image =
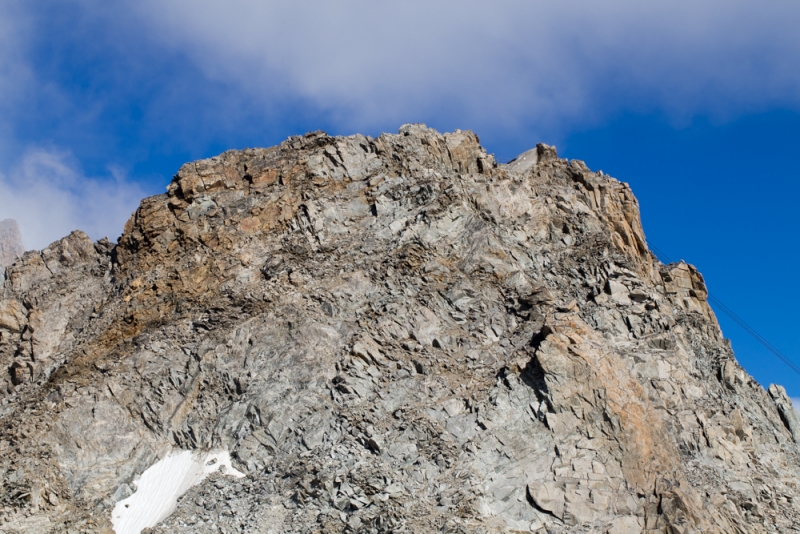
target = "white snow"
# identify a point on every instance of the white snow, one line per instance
(160, 486)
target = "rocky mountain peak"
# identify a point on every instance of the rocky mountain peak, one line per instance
(10, 242)
(391, 334)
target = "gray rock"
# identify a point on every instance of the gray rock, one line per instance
(788, 413)
(618, 292)
(10, 242)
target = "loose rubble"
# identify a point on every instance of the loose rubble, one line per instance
(392, 334)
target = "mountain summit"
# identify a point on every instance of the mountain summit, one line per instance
(398, 334)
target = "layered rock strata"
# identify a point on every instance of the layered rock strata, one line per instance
(394, 334)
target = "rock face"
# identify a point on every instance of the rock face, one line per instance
(10, 242)
(387, 335)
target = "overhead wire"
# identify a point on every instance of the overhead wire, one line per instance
(718, 304)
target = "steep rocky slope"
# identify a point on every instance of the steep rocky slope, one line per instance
(387, 335)
(10, 242)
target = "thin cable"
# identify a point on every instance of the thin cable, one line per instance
(738, 320)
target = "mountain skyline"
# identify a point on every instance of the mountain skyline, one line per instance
(696, 106)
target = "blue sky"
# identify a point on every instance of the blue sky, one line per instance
(696, 105)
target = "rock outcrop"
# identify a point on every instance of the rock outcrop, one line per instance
(10, 242)
(387, 335)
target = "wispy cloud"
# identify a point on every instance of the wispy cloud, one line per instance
(202, 69)
(49, 197)
(504, 64)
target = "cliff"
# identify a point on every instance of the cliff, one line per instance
(383, 335)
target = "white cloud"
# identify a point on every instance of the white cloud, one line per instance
(505, 63)
(49, 197)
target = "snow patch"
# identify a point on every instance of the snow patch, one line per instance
(162, 484)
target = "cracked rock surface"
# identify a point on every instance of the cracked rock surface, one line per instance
(394, 334)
